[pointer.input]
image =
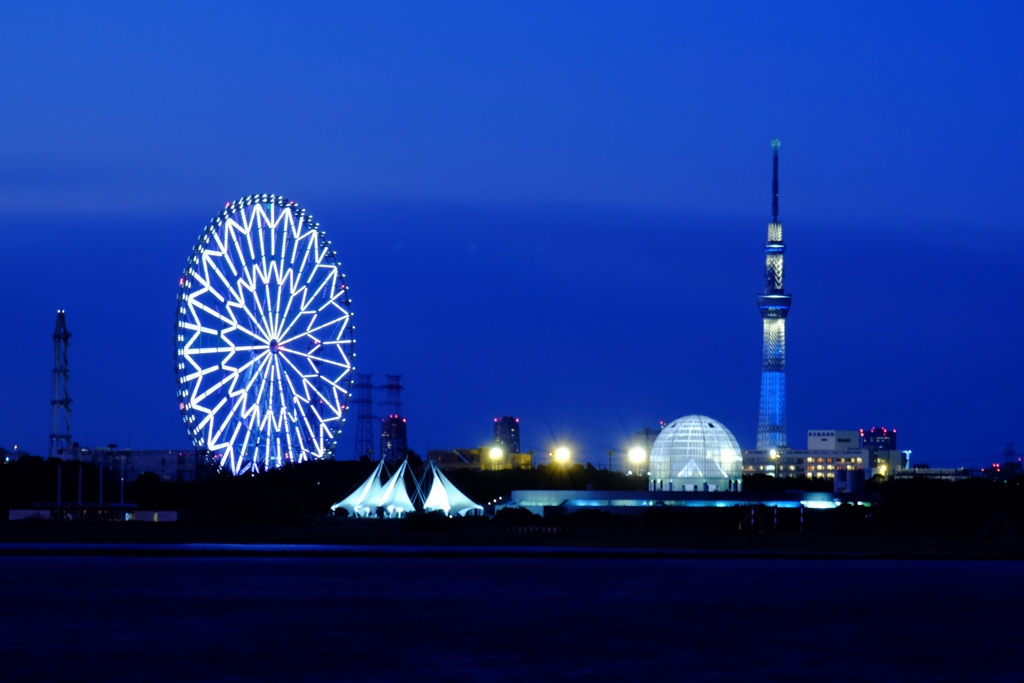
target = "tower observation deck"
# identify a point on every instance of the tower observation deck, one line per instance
(774, 306)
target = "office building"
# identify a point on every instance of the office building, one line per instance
(506, 434)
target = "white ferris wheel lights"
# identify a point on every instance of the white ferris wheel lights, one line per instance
(264, 340)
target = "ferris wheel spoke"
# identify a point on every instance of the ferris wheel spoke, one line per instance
(210, 414)
(298, 316)
(201, 372)
(309, 428)
(224, 248)
(277, 307)
(238, 249)
(313, 358)
(263, 252)
(224, 349)
(185, 325)
(228, 379)
(232, 324)
(336, 386)
(258, 375)
(331, 301)
(270, 307)
(292, 365)
(315, 292)
(264, 335)
(226, 422)
(248, 241)
(322, 397)
(227, 285)
(310, 331)
(282, 328)
(206, 288)
(242, 368)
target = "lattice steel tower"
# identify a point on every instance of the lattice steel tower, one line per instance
(774, 305)
(364, 416)
(60, 403)
(393, 397)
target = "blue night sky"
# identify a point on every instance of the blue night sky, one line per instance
(555, 211)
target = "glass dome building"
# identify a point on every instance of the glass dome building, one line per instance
(696, 453)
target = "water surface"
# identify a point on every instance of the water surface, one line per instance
(493, 619)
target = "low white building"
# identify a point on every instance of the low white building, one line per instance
(828, 451)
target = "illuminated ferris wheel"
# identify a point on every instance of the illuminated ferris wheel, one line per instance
(264, 341)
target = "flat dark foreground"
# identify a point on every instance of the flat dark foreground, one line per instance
(487, 619)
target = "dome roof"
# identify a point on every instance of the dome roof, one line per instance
(696, 449)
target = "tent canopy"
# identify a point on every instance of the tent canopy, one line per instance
(445, 496)
(374, 493)
(368, 490)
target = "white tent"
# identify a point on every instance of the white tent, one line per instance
(395, 497)
(444, 496)
(361, 501)
(373, 494)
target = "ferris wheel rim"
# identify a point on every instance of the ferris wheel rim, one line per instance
(274, 346)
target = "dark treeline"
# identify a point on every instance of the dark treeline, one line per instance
(286, 495)
(300, 493)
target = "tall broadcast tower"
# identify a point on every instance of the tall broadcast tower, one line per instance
(774, 305)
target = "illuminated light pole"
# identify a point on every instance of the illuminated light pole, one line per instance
(637, 456)
(496, 453)
(562, 454)
(776, 458)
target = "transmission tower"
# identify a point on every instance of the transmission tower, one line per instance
(364, 415)
(60, 404)
(393, 436)
(394, 387)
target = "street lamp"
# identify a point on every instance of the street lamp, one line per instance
(774, 455)
(562, 454)
(496, 453)
(637, 456)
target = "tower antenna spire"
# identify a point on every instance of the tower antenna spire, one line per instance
(775, 180)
